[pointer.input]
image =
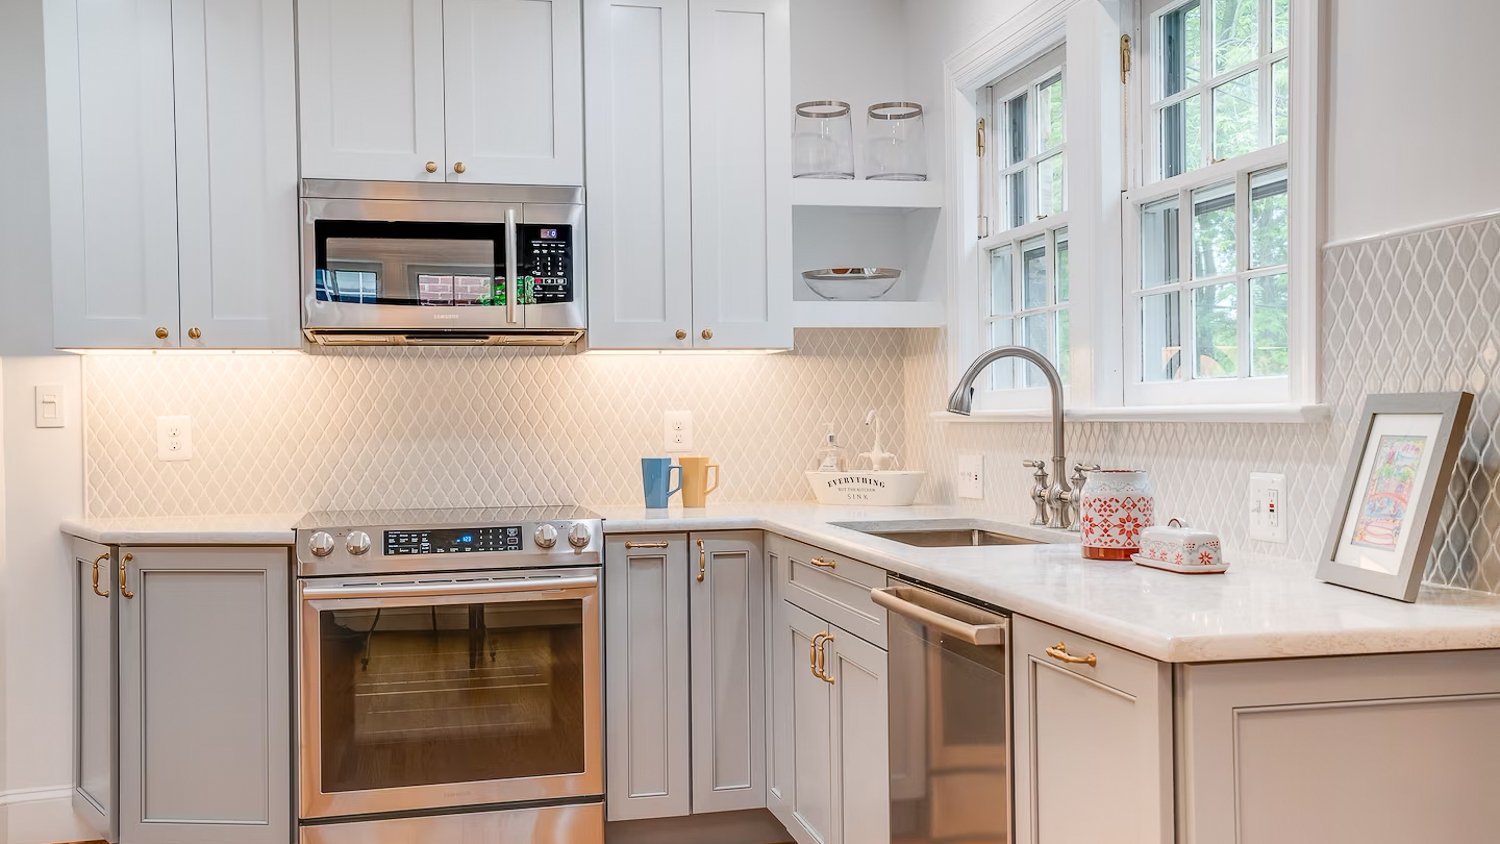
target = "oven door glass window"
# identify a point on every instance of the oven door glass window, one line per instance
(416, 264)
(454, 693)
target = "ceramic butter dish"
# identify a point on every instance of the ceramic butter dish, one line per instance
(1181, 549)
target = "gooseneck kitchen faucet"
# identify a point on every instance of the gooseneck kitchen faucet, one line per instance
(1058, 504)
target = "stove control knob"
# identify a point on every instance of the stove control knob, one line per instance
(359, 543)
(320, 543)
(579, 535)
(545, 536)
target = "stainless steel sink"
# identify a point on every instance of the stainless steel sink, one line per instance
(956, 533)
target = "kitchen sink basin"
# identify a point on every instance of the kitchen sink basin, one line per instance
(958, 533)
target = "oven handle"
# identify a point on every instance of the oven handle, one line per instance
(425, 589)
(510, 266)
(898, 599)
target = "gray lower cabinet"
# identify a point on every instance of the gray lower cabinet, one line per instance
(684, 673)
(204, 697)
(95, 684)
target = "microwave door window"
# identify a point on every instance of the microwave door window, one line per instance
(407, 264)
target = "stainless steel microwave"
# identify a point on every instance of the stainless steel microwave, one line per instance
(417, 263)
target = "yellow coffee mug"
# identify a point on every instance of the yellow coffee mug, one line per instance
(695, 488)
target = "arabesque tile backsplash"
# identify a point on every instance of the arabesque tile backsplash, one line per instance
(1411, 312)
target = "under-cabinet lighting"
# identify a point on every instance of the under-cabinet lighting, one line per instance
(686, 352)
(183, 352)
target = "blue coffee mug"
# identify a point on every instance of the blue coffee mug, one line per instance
(656, 478)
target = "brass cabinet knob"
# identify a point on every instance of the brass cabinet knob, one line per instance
(708, 334)
(432, 166)
(458, 167)
(681, 334)
(161, 332)
(194, 333)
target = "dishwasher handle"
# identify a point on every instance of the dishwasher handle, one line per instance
(957, 619)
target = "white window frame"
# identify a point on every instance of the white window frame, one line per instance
(1302, 158)
(998, 123)
(1014, 241)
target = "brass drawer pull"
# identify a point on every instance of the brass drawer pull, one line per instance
(124, 591)
(823, 659)
(97, 591)
(702, 562)
(631, 546)
(1060, 653)
(823, 563)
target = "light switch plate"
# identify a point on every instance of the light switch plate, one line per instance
(50, 412)
(677, 431)
(174, 438)
(1268, 510)
(970, 480)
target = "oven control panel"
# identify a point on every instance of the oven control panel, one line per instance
(453, 540)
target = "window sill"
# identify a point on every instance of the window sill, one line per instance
(1226, 413)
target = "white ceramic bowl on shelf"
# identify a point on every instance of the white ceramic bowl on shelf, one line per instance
(852, 283)
(888, 488)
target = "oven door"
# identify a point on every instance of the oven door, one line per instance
(451, 690)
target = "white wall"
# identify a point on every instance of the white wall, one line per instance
(1413, 114)
(42, 468)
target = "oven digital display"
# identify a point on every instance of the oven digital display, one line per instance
(453, 540)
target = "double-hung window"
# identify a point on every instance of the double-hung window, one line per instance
(1207, 270)
(1025, 252)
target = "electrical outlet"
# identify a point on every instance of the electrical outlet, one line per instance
(174, 438)
(970, 481)
(1268, 511)
(677, 431)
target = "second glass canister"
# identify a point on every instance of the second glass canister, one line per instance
(896, 143)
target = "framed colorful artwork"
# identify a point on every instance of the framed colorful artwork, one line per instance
(1404, 452)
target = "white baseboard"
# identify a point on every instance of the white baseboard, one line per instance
(40, 816)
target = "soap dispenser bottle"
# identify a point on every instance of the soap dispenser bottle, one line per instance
(830, 455)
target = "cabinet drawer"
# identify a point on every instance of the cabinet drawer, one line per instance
(833, 587)
(1113, 666)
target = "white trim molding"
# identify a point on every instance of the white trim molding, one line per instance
(1247, 414)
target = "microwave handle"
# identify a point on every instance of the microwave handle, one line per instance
(510, 267)
(449, 587)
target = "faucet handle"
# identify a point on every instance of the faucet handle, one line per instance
(1039, 491)
(1080, 473)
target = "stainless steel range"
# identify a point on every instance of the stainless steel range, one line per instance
(449, 676)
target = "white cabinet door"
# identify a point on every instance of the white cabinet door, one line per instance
(205, 742)
(235, 72)
(95, 689)
(370, 85)
(860, 728)
(646, 676)
(640, 199)
(741, 136)
(779, 740)
(808, 776)
(1093, 744)
(113, 173)
(513, 83)
(727, 610)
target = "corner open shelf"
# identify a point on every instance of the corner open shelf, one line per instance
(863, 193)
(878, 313)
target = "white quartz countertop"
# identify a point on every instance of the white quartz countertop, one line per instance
(1263, 608)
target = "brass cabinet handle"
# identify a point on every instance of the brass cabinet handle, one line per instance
(194, 333)
(812, 654)
(97, 591)
(707, 334)
(702, 561)
(824, 563)
(681, 334)
(432, 166)
(823, 659)
(634, 545)
(1060, 653)
(458, 167)
(124, 591)
(162, 333)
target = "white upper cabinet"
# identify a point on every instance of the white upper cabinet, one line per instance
(639, 191)
(174, 175)
(740, 52)
(442, 90)
(236, 166)
(512, 80)
(113, 173)
(370, 76)
(689, 207)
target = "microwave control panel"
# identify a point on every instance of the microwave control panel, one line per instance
(546, 262)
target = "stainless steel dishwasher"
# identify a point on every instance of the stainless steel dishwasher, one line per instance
(949, 700)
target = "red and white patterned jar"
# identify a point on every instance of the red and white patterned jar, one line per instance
(1117, 505)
